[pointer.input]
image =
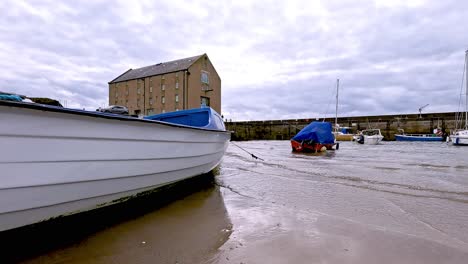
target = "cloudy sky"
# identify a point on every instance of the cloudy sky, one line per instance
(276, 59)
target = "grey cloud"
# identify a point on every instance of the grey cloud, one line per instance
(389, 59)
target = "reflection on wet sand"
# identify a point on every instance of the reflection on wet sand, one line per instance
(275, 233)
(185, 231)
(360, 204)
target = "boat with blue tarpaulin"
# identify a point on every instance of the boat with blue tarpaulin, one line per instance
(315, 137)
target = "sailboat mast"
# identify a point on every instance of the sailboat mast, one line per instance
(336, 108)
(466, 90)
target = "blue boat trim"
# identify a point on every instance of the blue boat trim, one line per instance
(418, 138)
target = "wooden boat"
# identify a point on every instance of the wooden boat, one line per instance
(315, 137)
(343, 135)
(417, 137)
(57, 162)
(369, 137)
(340, 136)
(460, 136)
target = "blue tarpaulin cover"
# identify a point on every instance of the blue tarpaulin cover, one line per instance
(204, 117)
(10, 97)
(345, 130)
(319, 132)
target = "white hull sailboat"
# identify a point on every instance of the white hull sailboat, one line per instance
(57, 162)
(460, 137)
(339, 135)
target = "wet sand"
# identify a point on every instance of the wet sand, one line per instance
(276, 233)
(184, 228)
(393, 203)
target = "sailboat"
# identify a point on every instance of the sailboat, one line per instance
(341, 134)
(460, 137)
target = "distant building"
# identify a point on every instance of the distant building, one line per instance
(168, 86)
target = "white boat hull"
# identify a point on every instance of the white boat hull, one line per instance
(372, 140)
(54, 164)
(460, 138)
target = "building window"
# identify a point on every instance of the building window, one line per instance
(177, 85)
(205, 101)
(138, 90)
(177, 109)
(126, 102)
(163, 83)
(163, 100)
(204, 78)
(151, 85)
(163, 111)
(138, 102)
(176, 98)
(150, 111)
(151, 101)
(177, 74)
(116, 94)
(126, 88)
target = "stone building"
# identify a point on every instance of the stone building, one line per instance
(168, 86)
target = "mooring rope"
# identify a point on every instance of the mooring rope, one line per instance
(251, 154)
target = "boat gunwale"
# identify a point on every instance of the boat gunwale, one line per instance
(56, 109)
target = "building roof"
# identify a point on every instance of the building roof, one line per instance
(157, 69)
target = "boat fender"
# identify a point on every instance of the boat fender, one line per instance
(337, 146)
(323, 149)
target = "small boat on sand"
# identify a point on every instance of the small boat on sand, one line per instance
(57, 161)
(460, 138)
(344, 134)
(315, 137)
(369, 137)
(402, 136)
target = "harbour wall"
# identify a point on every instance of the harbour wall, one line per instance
(388, 124)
